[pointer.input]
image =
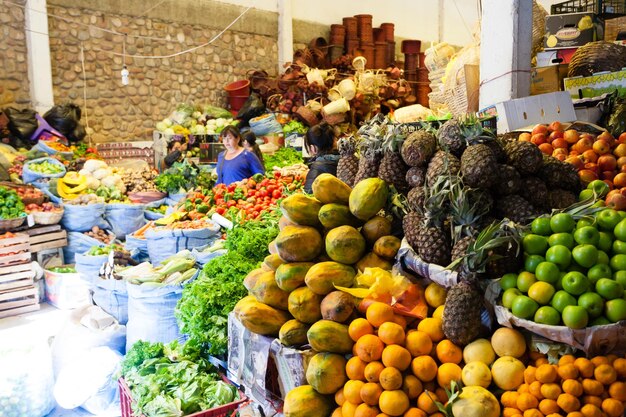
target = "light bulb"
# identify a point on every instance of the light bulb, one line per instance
(125, 74)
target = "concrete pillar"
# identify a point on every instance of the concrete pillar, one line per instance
(506, 36)
(285, 33)
(39, 64)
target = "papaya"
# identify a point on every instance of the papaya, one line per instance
(323, 276)
(368, 197)
(337, 306)
(298, 243)
(262, 319)
(375, 228)
(293, 333)
(328, 336)
(273, 261)
(345, 244)
(329, 189)
(335, 215)
(301, 210)
(266, 291)
(284, 222)
(241, 303)
(371, 260)
(304, 305)
(326, 372)
(387, 247)
(304, 401)
(250, 280)
(272, 249)
(291, 276)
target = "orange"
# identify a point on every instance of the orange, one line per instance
(412, 386)
(592, 387)
(575, 414)
(554, 415)
(372, 371)
(430, 385)
(433, 327)
(600, 360)
(565, 359)
(426, 402)
(546, 373)
(396, 356)
(509, 399)
(590, 410)
(448, 352)
(442, 397)
(523, 388)
(355, 368)
(530, 374)
(511, 412)
(366, 410)
(414, 412)
(592, 399)
(585, 367)
(418, 343)
(424, 367)
(535, 390)
(611, 358)
(533, 412)
(359, 327)
(567, 371)
(378, 313)
(399, 320)
(547, 406)
(348, 409)
(612, 407)
(526, 401)
(541, 361)
(390, 378)
(438, 313)
(435, 295)
(370, 392)
(352, 391)
(438, 414)
(369, 348)
(337, 412)
(391, 333)
(568, 403)
(572, 386)
(605, 373)
(394, 403)
(620, 367)
(617, 390)
(447, 373)
(339, 397)
(551, 391)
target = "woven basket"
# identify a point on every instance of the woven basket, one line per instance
(11, 224)
(47, 217)
(539, 26)
(306, 116)
(595, 57)
(38, 200)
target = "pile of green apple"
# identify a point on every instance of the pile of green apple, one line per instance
(574, 271)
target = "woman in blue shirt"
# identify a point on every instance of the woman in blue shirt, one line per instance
(235, 163)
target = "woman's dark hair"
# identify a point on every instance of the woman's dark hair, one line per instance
(234, 131)
(321, 135)
(250, 138)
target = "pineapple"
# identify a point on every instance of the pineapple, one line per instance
(431, 239)
(416, 176)
(392, 168)
(442, 163)
(418, 148)
(460, 247)
(516, 208)
(535, 190)
(560, 199)
(348, 162)
(524, 156)
(416, 197)
(369, 161)
(478, 166)
(508, 182)
(451, 137)
(559, 174)
(497, 149)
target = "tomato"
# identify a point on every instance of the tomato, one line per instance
(271, 188)
(220, 210)
(230, 203)
(265, 182)
(251, 183)
(263, 193)
(255, 214)
(277, 194)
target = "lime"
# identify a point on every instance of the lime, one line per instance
(525, 280)
(547, 272)
(535, 244)
(508, 281)
(562, 222)
(541, 226)
(531, 262)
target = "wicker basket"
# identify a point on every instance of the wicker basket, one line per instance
(11, 224)
(595, 57)
(306, 116)
(47, 217)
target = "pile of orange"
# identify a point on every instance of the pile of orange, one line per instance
(395, 372)
(575, 387)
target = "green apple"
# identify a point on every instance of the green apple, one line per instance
(615, 310)
(620, 276)
(575, 317)
(587, 235)
(524, 307)
(562, 222)
(605, 241)
(547, 315)
(559, 255)
(508, 296)
(618, 246)
(593, 303)
(585, 255)
(547, 272)
(565, 239)
(620, 230)
(599, 271)
(608, 218)
(575, 283)
(609, 289)
(562, 299)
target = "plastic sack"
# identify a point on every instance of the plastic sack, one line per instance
(88, 267)
(203, 258)
(111, 296)
(27, 382)
(43, 146)
(29, 175)
(253, 107)
(124, 219)
(89, 381)
(265, 124)
(151, 215)
(165, 243)
(78, 243)
(216, 112)
(173, 199)
(66, 119)
(138, 248)
(22, 123)
(82, 218)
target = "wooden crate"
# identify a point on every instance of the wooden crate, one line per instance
(19, 301)
(15, 276)
(46, 237)
(14, 250)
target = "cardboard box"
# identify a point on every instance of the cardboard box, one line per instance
(555, 56)
(547, 79)
(614, 27)
(544, 108)
(596, 85)
(572, 30)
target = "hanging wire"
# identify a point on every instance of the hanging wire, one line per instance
(86, 111)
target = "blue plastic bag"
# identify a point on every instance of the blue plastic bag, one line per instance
(265, 124)
(78, 243)
(138, 248)
(203, 258)
(78, 218)
(111, 296)
(167, 242)
(151, 215)
(124, 219)
(88, 267)
(43, 146)
(29, 175)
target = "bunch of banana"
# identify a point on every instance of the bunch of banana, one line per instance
(71, 185)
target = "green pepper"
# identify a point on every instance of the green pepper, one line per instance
(202, 208)
(9, 203)
(198, 201)
(258, 177)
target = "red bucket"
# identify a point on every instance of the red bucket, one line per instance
(238, 93)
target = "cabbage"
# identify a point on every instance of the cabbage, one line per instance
(169, 131)
(160, 126)
(196, 115)
(168, 122)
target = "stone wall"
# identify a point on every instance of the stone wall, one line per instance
(14, 85)
(123, 113)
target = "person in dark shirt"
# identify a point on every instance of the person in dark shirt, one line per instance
(235, 163)
(249, 143)
(176, 150)
(319, 142)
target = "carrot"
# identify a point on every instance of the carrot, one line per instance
(141, 231)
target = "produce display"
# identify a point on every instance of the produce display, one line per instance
(103, 250)
(63, 269)
(11, 205)
(29, 193)
(281, 158)
(44, 207)
(99, 234)
(201, 120)
(45, 167)
(183, 177)
(175, 270)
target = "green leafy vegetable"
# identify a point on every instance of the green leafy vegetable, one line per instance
(180, 177)
(294, 126)
(282, 158)
(139, 353)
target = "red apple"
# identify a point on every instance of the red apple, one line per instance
(555, 126)
(620, 180)
(586, 176)
(622, 138)
(557, 134)
(576, 161)
(560, 151)
(607, 162)
(607, 175)
(571, 136)
(589, 156)
(616, 200)
(546, 148)
(560, 143)
(621, 161)
(524, 137)
(574, 153)
(592, 167)
(601, 147)
(607, 137)
(538, 138)
(540, 129)
(560, 157)
(620, 150)
(583, 144)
